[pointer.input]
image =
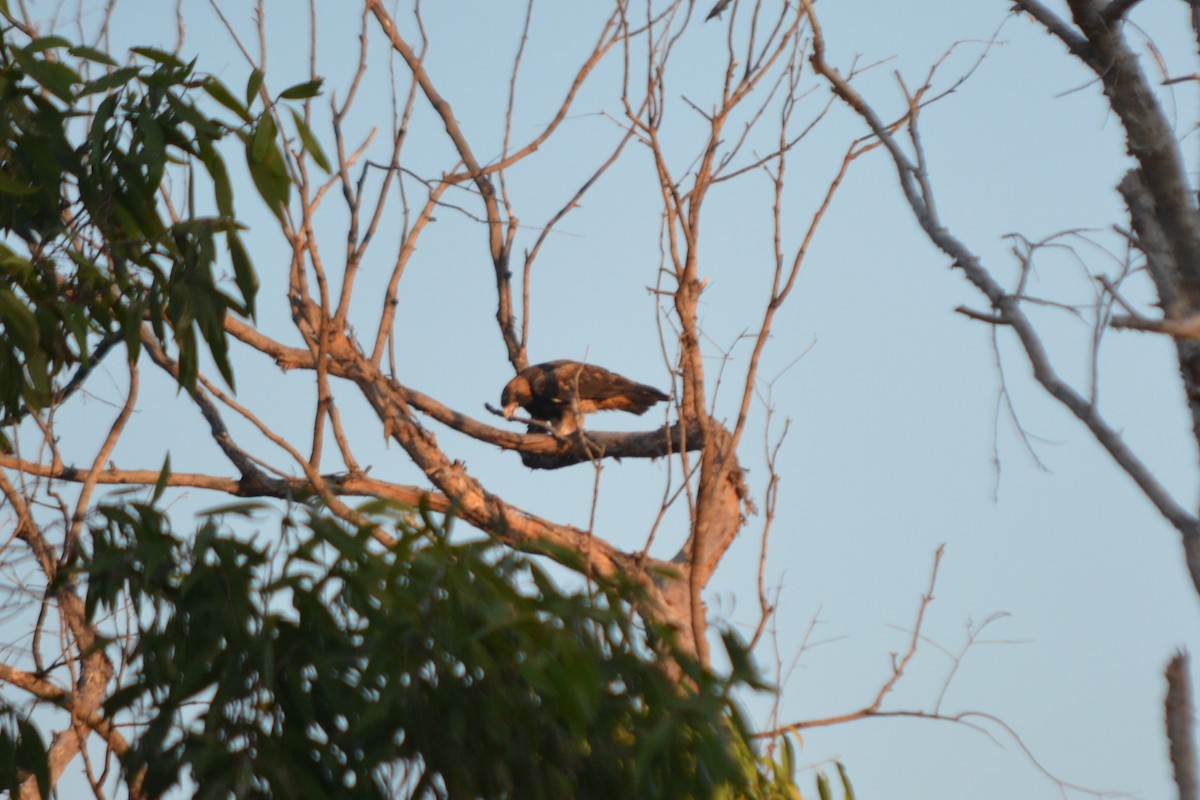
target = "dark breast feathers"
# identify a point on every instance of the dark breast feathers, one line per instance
(562, 392)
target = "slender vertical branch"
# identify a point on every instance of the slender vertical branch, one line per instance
(1181, 727)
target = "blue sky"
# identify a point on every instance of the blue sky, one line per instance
(897, 440)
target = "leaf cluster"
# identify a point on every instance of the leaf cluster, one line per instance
(91, 250)
(430, 668)
(22, 754)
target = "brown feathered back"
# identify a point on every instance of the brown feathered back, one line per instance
(562, 392)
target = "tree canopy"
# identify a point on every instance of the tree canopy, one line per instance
(269, 533)
(374, 660)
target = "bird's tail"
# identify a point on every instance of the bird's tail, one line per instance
(642, 397)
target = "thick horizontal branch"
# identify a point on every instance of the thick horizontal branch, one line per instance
(46, 690)
(393, 403)
(537, 451)
(257, 485)
(542, 451)
(37, 686)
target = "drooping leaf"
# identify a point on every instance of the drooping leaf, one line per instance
(219, 92)
(22, 754)
(10, 185)
(111, 80)
(46, 43)
(92, 54)
(267, 167)
(846, 787)
(163, 476)
(20, 325)
(243, 271)
(252, 86)
(263, 138)
(57, 78)
(158, 56)
(311, 145)
(302, 90)
(823, 790)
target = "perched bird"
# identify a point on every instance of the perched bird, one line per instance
(562, 392)
(717, 9)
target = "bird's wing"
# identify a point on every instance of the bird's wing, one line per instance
(564, 391)
(590, 382)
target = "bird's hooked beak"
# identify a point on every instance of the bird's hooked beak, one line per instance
(516, 392)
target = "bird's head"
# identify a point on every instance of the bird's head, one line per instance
(518, 392)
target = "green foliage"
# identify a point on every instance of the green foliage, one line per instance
(90, 253)
(431, 668)
(826, 793)
(332, 666)
(22, 754)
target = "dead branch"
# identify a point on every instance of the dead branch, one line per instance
(256, 484)
(916, 188)
(898, 666)
(1181, 329)
(1181, 727)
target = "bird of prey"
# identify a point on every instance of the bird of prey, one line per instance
(717, 9)
(562, 392)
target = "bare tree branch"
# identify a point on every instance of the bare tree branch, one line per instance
(1181, 727)
(1117, 9)
(914, 184)
(898, 666)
